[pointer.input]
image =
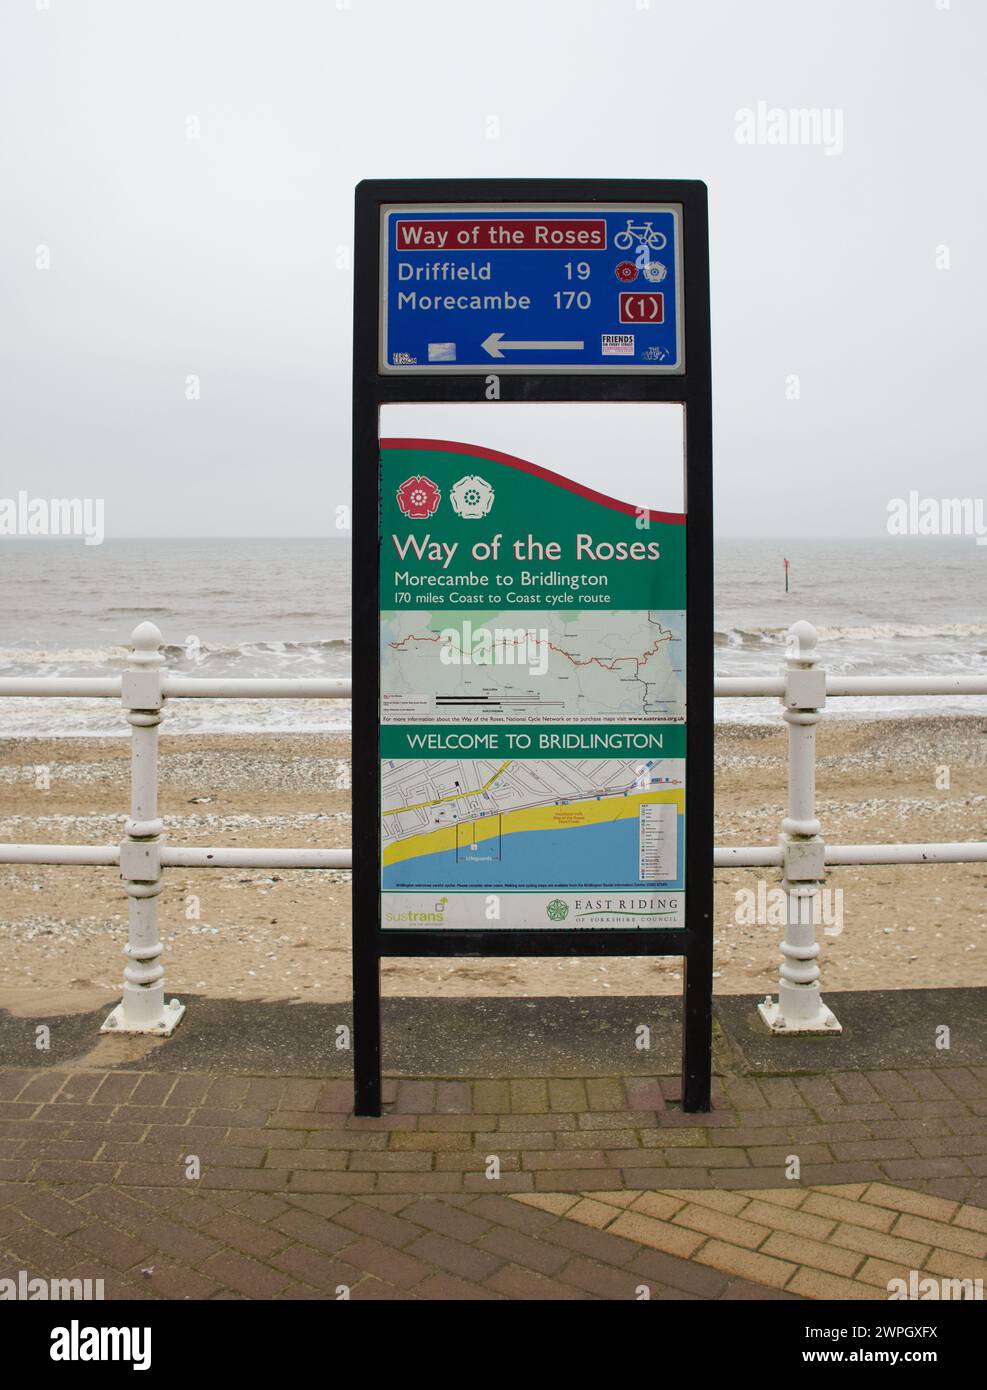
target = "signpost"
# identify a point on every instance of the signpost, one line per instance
(525, 645)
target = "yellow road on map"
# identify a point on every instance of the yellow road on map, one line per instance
(573, 815)
(454, 796)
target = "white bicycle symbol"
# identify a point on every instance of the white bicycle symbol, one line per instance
(640, 234)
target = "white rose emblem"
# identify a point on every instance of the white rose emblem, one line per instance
(471, 497)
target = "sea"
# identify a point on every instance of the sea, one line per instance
(269, 607)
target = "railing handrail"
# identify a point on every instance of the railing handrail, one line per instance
(724, 856)
(340, 687)
(801, 852)
(184, 687)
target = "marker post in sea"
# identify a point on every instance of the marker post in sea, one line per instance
(786, 564)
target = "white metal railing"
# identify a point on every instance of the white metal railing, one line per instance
(801, 853)
(143, 854)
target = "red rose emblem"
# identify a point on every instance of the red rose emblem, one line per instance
(626, 270)
(418, 498)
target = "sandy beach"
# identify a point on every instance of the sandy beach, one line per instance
(286, 935)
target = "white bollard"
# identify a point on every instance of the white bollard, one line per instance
(143, 1009)
(800, 1008)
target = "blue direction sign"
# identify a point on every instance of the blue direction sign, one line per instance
(513, 288)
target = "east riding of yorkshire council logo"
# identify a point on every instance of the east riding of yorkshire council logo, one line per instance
(557, 910)
(418, 498)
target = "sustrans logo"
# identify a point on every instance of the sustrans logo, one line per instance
(436, 917)
(418, 498)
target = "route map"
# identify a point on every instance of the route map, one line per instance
(573, 668)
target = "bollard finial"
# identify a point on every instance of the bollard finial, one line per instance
(802, 642)
(146, 637)
(146, 641)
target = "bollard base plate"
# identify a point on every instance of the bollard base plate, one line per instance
(161, 1027)
(822, 1021)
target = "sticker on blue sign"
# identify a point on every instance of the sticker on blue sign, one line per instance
(517, 288)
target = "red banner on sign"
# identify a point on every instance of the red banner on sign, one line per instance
(642, 307)
(575, 234)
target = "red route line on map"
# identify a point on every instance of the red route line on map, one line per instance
(652, 651)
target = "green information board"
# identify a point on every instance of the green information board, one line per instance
(533, 682)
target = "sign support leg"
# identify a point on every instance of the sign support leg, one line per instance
(366, 1033)
(697, 1029)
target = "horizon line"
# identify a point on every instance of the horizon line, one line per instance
(721, 535)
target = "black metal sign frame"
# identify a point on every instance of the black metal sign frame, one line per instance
(691, 389)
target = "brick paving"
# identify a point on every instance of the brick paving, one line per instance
(203, 1186)
(843, 1241)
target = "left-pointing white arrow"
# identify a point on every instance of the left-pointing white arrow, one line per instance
(496, 343)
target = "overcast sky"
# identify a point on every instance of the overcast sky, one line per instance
(219, 255)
